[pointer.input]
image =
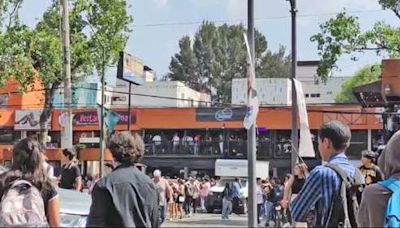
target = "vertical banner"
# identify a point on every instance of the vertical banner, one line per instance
(306, 148)
(252, 99)
(110, 120)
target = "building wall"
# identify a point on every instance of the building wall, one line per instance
(84, 95)
(323, 93)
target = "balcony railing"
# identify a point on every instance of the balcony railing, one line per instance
(235, 148)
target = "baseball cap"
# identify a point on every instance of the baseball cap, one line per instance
(157, 173)
(368, 154)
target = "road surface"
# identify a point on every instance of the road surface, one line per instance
(208, 220)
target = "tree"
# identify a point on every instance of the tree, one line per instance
(96, 27)
(343, 35)
(218, 54)
(365, 75)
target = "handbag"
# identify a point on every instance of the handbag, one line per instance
(181, 199)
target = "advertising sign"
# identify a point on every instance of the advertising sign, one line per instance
(28, 120)
(130, 69)
(220, 114)
(91, 118)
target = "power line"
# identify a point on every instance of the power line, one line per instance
(183, 23)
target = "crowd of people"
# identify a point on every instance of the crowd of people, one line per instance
(127, 197)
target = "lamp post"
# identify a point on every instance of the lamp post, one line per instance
(295, 129)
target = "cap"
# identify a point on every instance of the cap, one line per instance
(368, 154)
(157, 173)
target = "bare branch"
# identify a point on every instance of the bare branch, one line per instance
(397, 13)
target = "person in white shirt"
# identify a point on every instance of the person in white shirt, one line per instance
(175, 142)
(156, 143)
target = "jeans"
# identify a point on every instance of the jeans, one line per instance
(203, 202)
(268, 210)
(259, 206)
(162, 213)
(188, 204)
(226, 208)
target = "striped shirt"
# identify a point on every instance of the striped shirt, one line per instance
(319, 188)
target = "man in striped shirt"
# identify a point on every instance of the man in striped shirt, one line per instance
(317, 193)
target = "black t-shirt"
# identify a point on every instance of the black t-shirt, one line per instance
(297, 184)
(69, 173)
(372, 175)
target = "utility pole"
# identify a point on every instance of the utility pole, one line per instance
(295, 128)
(67, 134)
(102, 133)
(251, 133)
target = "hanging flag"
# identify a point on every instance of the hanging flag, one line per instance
(252, 99)
(306, 147)
(111, 120)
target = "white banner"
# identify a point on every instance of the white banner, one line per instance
(252, 99)
(28, 120)
(306, 148)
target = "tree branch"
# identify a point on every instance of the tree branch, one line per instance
(397, 13)
(17, 5)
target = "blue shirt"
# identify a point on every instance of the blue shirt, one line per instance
(319, 188)
(236, 190)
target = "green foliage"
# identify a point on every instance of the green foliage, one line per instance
(366, 75)
(342, 35)
(218, 54)
(96, 27)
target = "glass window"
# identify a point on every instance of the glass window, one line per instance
(9, 136)
(358, 143)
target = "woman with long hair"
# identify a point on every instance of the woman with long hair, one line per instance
(295, 183)
(181, 198)
(27, 165)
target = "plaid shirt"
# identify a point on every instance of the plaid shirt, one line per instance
(319, 188)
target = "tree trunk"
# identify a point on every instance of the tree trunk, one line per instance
(46, 113)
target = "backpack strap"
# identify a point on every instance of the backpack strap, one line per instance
(346, 182)
(391, 184)
(20, 182)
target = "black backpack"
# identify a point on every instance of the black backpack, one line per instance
(345, 206)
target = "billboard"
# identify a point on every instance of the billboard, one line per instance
(220, 114)
(28, 120)
(91, 118)
(130, 69)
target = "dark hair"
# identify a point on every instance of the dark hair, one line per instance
(125, 147)
(337, 132)
(258, 179)
(70, 153)
(237, 179)
(27, 164)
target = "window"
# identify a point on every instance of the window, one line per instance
(118, 98)
(9, 136)
(315, 95)
(329, 93)
(307, 95)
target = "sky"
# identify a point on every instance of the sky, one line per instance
(159, 24)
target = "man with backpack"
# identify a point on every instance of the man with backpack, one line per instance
(329, 193)
(380, 204)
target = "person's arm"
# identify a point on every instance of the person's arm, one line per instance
(308, 196)
(78, 179)
(379, 174)
(287, 192)
(53, 212)
(101, 203)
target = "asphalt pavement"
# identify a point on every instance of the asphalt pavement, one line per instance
(208, 220)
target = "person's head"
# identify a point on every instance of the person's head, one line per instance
(236, 179)
(27, 164)
(300, 170)
(367, 157)
(109, 167)
(227, 185)
(334, 138)
(126, 148)
(181, 181)
(68, 154)
(258, 181)
(276, 180)
(157, 175)
(389, 160)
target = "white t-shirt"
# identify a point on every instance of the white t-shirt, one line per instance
(175, 140)
(259, 193)
(157, 140)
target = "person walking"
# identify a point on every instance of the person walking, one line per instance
(204, 190)
(294, 184)
(259, 198)
(375, 199)
(70, 173)
(26, 177)
(126, 197)
(181, 198)
(226, 202)
(236, 195)
(164, 190)
(324, 183)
